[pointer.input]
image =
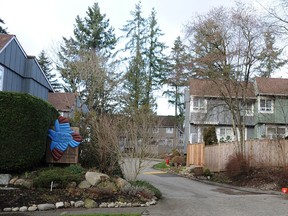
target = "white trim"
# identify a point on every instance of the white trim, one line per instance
(198, 110)
(259, 105)
(1, 77)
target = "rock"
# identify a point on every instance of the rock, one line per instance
(84, 184)
(153, 202)
(23, 209)
(109, 186)
(111, 205)
(45, 207)
(72, 203)
(136, 205)
(32, 208)
(27, 183)
(129, 205)
(67, 204)
(103, 205)
(16, 209)
(59, 205)
(79, 204)
(121, 183)
(7, 209)
(13, 180)
(95, 178)
(90, 203)
(4, 179)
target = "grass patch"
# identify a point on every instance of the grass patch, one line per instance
(100, 214)
(161, 166)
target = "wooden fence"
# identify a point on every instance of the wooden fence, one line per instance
(260, 153)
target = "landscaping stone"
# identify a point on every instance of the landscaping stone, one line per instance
(45, 207)
(59, 205)
(7, 209)
(84, 184)
(32, 208)
(27, 183)
(16, 209)
(103, 205)
(23, 209)
(79, 204)
(90, 203)
(67, 204)
(4, 179)
(13, 180)
(95, 178)
(121, 183)
(111, 205)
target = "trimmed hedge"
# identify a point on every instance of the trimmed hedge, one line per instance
(24, 124)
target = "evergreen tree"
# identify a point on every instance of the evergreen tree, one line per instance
(146, 61)
(2, 30)
(270, 56)
(155, 59)
(134, 84)
(178, 77)
(46, 66)
(94, 31)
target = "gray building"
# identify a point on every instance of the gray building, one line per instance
(20, 72)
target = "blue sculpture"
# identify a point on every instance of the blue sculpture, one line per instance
(62, 137)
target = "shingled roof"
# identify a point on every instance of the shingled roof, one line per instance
(220, 88)
(4, 39)
(62, 101)
(271, 86)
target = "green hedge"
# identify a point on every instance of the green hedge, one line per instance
(24, 124)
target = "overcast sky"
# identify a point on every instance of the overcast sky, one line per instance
(41, 24)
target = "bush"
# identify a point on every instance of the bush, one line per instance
(209, 136)
(59, 176)
(24, 124)
(178, 160)
(147, 185)
(237, 165)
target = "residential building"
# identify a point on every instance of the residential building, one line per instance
(168, 135)
(264, 113)
(20, 72)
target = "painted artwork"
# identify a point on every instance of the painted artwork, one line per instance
(62, 137)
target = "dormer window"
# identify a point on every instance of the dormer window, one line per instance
(199, 104)
(266, 105)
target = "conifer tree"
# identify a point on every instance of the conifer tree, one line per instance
(46, 66)
(2, 30)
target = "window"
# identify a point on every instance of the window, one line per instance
(1, 78)
(199, 104)
(276, 132)
(266, 105)
(226, 134)
(169, 130)
(249, 109)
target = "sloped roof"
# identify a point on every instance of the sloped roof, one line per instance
(62, 101)
(220, 88)
(4, 40)
(166, 121)
(271, 86)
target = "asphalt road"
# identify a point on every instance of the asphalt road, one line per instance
(183, 197)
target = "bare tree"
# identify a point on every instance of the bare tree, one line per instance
(226, 45)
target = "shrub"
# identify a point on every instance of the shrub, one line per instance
(147, 185)
(209, 136)
(24, 124)
(59, 176)
(178, 160)
(237, 165)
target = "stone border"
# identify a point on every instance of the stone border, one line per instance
(78, 204)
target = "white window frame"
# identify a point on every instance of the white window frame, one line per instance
(248, 111)
(275, 136)
(198, 108)
(219, 137)
(1, 77)
(169, 130)
(265, 108)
